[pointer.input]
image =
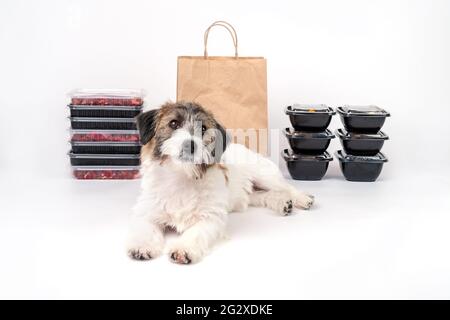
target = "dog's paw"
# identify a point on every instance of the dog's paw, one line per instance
(140, 254)
(183, 254)
(287, 208)
(145, 252)
(180, 257)
(304, 201)
(282, 203)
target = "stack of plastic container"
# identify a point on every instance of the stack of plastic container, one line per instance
(104, 137)
(362, 140)
(309, 139)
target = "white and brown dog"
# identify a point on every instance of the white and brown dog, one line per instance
(192, 177)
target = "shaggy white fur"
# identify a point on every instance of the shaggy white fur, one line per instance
(175, 195)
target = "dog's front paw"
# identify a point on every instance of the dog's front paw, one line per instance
(287, 208)
(304, 201)
(140, 254)
(180, 256)
(184, 255)
(145, 252)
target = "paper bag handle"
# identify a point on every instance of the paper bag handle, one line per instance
(230, 29)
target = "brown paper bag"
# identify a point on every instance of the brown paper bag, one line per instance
(234, 89)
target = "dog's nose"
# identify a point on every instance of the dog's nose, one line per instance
(189, 146)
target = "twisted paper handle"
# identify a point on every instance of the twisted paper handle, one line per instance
(230, 29)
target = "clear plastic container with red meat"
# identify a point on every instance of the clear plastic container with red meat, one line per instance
(104, 136)
(106, 173)
(105, 142)
(107, 97)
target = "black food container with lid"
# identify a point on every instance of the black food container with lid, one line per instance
(103, 123)
(95, 111)
(313, 143)
(104, 159)
(362, 119)
(310, 117)
(100, 147)
(306, 167)
(361, 144)
(361, 168)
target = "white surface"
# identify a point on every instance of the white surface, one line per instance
(61, 238)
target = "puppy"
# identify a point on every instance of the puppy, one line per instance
(192, 177)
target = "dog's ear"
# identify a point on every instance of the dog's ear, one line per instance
(224, 140)
(146, 124)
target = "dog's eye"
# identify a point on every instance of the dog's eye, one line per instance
(203, 129)
(174, 124)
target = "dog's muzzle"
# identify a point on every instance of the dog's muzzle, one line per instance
(188, 149)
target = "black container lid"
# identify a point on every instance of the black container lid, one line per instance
(105, 143)
(102, 131)
(292, 134)
(345, 135)
(103, 156)
(310, 109)
(288, 155)
(378, 158)
(83, 119)
(366, 111)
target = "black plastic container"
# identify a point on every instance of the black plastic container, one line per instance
(99, 147)
(103, 123)
(363, 119)
(104, 111)
(104, 159)
(361, 168)
(306, 167)
(311, 118)
(361, 144)
(313, 143)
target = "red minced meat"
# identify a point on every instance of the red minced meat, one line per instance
(106, 174)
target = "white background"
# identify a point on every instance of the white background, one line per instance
(62, 238)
